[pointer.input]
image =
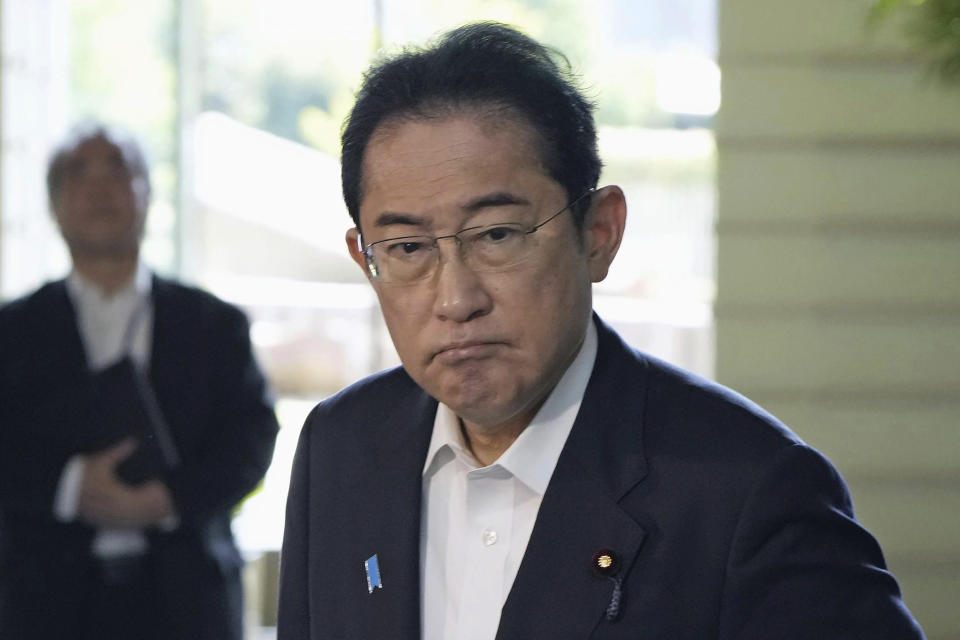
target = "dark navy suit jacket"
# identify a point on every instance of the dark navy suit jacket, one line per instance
(220, 415)
(725, 524)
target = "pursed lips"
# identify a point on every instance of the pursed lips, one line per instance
(469, 349)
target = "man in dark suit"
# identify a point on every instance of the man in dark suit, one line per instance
(526, 474)
(133, 418)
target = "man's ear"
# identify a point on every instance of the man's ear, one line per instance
(353, 246)
(603, 229)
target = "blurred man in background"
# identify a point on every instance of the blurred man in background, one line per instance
(133, 418)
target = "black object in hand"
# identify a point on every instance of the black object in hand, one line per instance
(127, 407)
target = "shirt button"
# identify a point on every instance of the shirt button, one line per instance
(490, 537)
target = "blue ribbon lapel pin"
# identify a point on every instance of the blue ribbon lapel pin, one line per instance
(372, 567)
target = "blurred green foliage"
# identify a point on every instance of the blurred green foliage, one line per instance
(291, 67)
(933, 25)
(293, 73)
(123, 71)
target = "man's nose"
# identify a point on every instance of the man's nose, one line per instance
(460, 294)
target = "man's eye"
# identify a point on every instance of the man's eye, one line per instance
(498, 234)
(405, 248)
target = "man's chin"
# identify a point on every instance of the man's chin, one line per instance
(485, 403)
(95, 248)
(472, 397)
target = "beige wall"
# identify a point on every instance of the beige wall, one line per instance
(838, 302)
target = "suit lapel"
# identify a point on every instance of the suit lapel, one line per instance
(162, 367)
(556, 592)
(60, 333)
(388, 521)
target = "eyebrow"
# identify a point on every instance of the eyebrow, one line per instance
(498, 199)
(486, 201)
(388, 218)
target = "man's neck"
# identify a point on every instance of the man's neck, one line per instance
(109, 273)
(486, 444)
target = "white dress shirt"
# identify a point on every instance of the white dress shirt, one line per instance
(103, 322)
(476, 521)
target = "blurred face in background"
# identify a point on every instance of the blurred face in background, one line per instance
(99, 204)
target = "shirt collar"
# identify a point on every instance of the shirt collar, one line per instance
(533, 455)
(446, 442)
(82, 288)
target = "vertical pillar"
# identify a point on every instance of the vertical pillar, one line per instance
(188, 238)
(33, 82)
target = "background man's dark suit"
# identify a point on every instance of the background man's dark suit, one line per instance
(216, 403)
(726, 525)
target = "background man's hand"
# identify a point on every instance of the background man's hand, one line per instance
(106, 501)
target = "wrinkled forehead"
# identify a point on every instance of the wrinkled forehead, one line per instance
(496, 121)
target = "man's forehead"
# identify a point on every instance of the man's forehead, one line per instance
(451, 131)
(425, 157)
(450, 188)
(98, 147)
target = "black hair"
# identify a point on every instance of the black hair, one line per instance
(130, 149)
(485, 64)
